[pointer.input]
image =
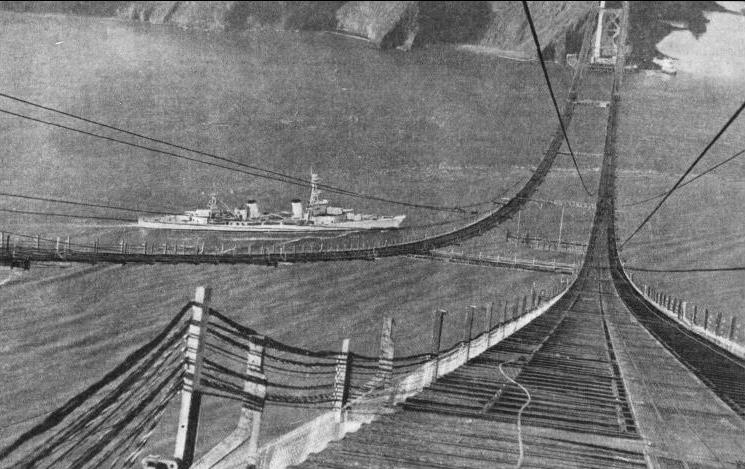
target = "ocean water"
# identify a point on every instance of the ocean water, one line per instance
(434, 126)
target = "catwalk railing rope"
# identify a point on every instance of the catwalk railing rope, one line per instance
(108, 423)
(721, 328)
(202, 352)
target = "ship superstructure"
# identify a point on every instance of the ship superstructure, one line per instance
(319, 216)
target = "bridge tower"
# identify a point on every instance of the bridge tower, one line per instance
(605, 49)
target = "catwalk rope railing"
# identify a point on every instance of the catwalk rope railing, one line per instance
(202, 352)
(720, 327)
(241, 364)
(109, 423)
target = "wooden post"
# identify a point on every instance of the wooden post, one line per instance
(532, 296)
(706, 318)
(468, 330)
(434, 351)
(516, 308)
(695, 313)
(683, 309)
(56, 247)
(718, 323)
(341, 380)
(489, 322)
(525, 305)
(385, 360)
(732, 329)
(249, 422)
(67, 247)
(191, 396)
(646, 290)
(504, 312)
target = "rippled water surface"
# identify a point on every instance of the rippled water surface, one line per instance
(434, 126)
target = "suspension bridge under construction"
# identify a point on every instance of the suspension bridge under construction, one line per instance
(598, 371)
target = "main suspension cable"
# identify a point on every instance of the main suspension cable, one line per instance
(687, 172)
(551, 92)
(277, 176)
(713, 168)
(65, 215)
(83, 204)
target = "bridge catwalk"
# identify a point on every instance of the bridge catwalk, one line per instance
(597, 377)
(611, 383)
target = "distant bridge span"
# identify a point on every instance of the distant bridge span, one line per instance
(25, 253)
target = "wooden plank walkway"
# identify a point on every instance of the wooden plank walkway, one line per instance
(599, 380)
(499, 261)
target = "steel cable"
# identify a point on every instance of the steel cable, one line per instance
(132, 360)
(686, 173)
(551, 92)
(271, 175)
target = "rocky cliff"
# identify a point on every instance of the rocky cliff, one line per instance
(555, 23)
(401, 24)
(383, 23)
(405, 24)
(235, 15)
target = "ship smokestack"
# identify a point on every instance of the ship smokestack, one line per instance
(297, 209)
(253, 209)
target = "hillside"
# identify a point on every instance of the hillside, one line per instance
(407, 24)
(387, 24)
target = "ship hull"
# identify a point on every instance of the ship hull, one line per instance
(388, 223)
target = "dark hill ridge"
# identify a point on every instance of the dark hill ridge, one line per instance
(406, 24)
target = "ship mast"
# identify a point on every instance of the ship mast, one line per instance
(212, 206)
(315, 192)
